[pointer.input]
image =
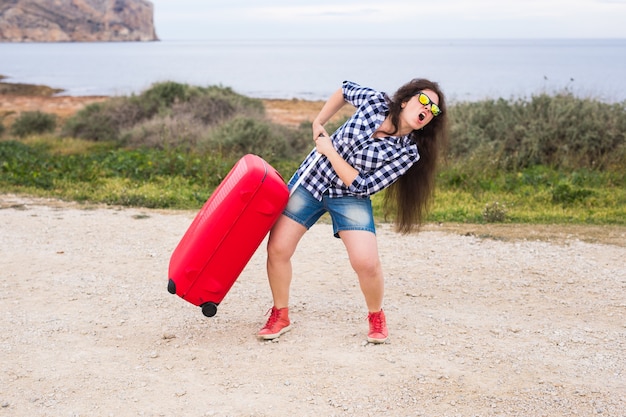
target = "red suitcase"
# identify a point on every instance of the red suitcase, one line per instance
(226, 232)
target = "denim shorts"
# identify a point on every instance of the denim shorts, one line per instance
(346, 212)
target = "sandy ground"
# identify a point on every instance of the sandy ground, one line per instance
(63, 106)
(500, 326)
(288, 112)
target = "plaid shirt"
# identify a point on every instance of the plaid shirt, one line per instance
(380, 162)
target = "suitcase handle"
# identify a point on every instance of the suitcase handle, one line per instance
(305, 173)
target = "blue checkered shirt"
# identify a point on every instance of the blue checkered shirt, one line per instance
(380, 162)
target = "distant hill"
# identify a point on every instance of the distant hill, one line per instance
(76, 20)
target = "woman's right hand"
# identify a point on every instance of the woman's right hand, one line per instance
(329, 109)
(318, 130)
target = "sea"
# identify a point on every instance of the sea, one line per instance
(467, 70)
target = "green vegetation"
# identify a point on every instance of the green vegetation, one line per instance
(548, 159)
(26, 89)
(33, 122)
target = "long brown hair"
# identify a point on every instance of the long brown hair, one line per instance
(410, 196)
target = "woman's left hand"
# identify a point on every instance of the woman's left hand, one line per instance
(324, 145)
(344, 170)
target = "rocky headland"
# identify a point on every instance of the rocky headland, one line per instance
(76, 21)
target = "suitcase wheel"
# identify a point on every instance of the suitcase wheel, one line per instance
(171, 287)
(209, 309)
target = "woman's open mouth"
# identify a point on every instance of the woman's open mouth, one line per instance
(421, 116)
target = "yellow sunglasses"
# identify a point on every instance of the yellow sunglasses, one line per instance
(425, 100)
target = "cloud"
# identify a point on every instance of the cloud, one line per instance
(394, 19)
(296, 12)
(344, 13)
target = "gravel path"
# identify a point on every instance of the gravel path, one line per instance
(478, 327)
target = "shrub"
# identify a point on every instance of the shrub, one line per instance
(246, 135)
(106, 121)
(566, 195)
(166, 114)
(560, 131)
(243, 135)
(207, 110)
(162, 95)
(494, 212)
(94, 123)
(187, 124)
(34, 122)
(2, 129)
(242, 104)
(169, 131)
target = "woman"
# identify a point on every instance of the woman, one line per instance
(388, 142)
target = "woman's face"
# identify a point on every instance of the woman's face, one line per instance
(418, 111)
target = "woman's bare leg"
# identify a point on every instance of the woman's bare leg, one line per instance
(281, 245)
(362, 250)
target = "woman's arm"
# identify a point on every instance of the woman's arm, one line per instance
(322, 140)
(344, 170)
(330, 108)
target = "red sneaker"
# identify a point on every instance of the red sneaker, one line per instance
(378, 327)
(277, 324)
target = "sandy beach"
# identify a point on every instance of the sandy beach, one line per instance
(505, 326)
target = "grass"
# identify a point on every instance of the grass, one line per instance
(529, 206)
(80, 170)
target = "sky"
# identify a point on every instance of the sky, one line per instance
(393, 19)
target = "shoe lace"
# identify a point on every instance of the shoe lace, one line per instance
(376, 322)
(273, 312)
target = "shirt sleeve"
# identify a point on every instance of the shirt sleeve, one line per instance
(355, 94)
(373, 179)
